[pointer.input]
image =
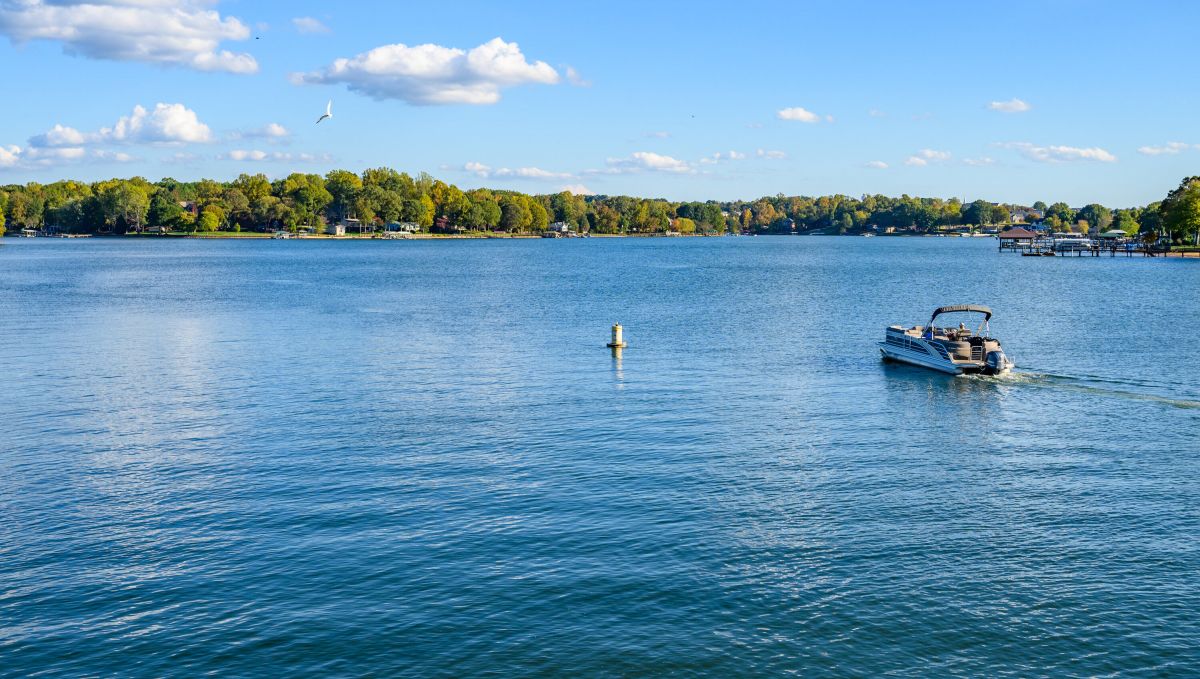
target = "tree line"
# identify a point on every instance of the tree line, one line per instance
(381, 196)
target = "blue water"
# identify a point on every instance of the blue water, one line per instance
(409, 458)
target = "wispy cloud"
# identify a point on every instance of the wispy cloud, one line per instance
(646, 161)
(876, 113)
(876, 165)
(488, 172)
(15, 157)
(271, 132)
(927, 156)
(309, 25)
(185, 33)
(574, 78)
(1060, 154)
(659, 135)
(1013, 105)
(258, 155)
(770, 154)
(981, 161)
(427, 75)
(722, 155)
(1171, 148)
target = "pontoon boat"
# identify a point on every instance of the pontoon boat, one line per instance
(950, 350)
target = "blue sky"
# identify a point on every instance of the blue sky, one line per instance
(1016, 101)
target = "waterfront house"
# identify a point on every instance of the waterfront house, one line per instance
(402, 227)
(335, 229)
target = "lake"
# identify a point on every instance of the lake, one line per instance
(417, 458)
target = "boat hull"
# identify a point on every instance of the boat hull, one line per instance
(901, 355)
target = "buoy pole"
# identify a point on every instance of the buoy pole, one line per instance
(618, 341)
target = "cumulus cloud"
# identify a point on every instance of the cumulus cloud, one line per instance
(876, 165)
(1059, 154)
(427, 75)
(1171, 148)
(647, 161)
(488, 172)
(166, 124)
(10, 156)
(770, 154)
(183, 33)
(1013, 105)
(927, 156)
(578, 189)
(309, 25)
(799, 114)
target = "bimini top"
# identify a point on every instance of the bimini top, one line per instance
(987, 313)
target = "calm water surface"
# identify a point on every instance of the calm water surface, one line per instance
(418, 459)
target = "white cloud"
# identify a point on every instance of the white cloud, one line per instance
(309, 25)
(1013, 105)
(719, 156)
(578, 189)
(427, 75)
(10, 156)
(271, 132)
(488, 172)
(1058, 154)
(658, 135)
(770, 154)
(648, 161)
(182, 33)
(575, 79)
(59, 135)
(1170, 148)
(257, 155)
(876, 113)
(166, 124)
(927, 156)
(798, 114)
(978, 162)
(876, 165)
(17, 157)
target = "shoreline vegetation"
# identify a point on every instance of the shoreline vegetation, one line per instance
(382, 202)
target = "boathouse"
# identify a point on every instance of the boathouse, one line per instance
(1016, 239)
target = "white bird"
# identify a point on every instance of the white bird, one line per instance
(328, 112)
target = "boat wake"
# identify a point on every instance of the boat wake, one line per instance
(1093, 384)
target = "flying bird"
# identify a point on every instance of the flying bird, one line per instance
(328, 112)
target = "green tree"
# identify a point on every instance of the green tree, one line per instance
(515, 215)
(1096, 215)
(1181, 211)
(211, 218)
(1062, 212)
(164, 211)
(343, 187)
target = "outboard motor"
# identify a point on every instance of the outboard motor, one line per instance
(995, 363)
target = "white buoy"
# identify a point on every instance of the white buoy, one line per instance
(618, 342)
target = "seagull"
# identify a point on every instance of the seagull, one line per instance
(328, 112)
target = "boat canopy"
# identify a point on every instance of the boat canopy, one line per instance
(987, 313)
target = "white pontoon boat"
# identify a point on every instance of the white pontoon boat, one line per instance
(950, 350)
